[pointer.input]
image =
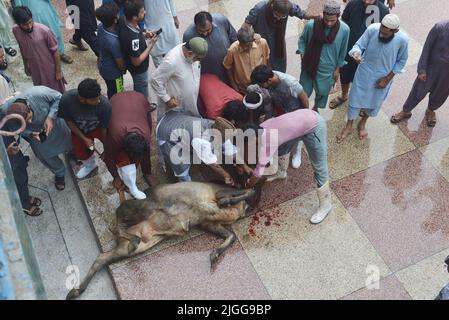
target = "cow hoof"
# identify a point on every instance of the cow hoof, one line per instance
(133, 244)
(214, 255)
(74, 293)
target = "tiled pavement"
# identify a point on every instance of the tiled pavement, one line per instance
(390, 196)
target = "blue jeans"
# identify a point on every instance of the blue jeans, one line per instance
(316, 145)
(140, 81)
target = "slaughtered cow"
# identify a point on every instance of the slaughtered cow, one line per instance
(173, 210)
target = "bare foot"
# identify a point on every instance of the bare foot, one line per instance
(343, 134)
(363, 133)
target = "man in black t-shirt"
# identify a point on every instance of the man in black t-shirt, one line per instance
(133, 41)
(87, 114)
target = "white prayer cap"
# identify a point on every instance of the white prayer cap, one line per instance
(391, 21)
(253, 106)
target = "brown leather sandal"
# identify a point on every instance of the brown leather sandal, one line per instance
(33, 211)
(431, 118)
(400, 116)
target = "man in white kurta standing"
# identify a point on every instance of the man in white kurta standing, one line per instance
(381, 53)
(162, 14)
(176, 81)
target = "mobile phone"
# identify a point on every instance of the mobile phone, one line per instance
(43, 136)
(159, 32)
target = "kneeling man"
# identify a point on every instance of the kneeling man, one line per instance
(128, 141)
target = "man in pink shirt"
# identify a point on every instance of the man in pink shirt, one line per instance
(39, 49)
(282, 133)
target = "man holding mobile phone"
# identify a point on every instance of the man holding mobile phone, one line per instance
(39, 107)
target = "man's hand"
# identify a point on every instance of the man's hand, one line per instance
(357, 56)
(172, 103)
(382, 83)
(228, 180)
(13, 149)
(336, 75)
(176, 20)
(149, 34)
(35, 135)
(422, 77)
(118, 184)
(251, 182)
(391, 4)
(88, 142)
(59, 76)
(152, 41)
(150, 180)
(48, 125)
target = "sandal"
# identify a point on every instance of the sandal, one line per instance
(400, 116)
(79, 45)
(431, 118)
(33, 212)
(4, 65)
(35, 202)
(59, 183)
(66, 59)
(336, 102)
(12, 52)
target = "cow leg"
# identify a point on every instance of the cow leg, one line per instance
(104, 259)
(232, 197)
(223, 233)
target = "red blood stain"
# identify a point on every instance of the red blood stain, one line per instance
(266, 218)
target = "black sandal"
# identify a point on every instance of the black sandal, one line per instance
(33, 211)
(4, 65)
(12, 52)
(60, 183)
(35, 202)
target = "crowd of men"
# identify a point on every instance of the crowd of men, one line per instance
(216, 78)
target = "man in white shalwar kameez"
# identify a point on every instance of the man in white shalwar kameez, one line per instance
(176, 81)
(162, 14)
(381, 53)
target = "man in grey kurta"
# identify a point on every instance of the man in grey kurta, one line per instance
(41, 110)
(433, 76)
(219, 33)
(269, 19)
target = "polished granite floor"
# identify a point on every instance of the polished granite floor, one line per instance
(390, 193)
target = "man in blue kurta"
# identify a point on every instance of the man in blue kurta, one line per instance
(358, 15)
(323, 46)
(381, 53)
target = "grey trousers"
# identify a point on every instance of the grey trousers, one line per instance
(54, 164)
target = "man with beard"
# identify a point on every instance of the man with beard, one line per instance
(323, 46)
(269, 19)
(433, 76)
(381, 53)
(219, 33)
(358, 15)
(39, 49)
(176, 81)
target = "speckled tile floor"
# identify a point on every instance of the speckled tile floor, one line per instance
(390, 217)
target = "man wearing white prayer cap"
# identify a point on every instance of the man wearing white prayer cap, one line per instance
(381, 52)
